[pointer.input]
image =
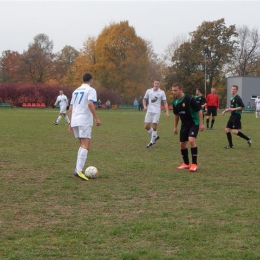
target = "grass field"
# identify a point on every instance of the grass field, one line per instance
(140, 207)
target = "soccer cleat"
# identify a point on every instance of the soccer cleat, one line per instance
(80, 175)
(150, 145)
(193, 167)
(249, 141)
(55, 123)
(183, 166)
(67, 123)
(229, 147)
(157, 138)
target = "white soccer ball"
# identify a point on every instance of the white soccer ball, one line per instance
(91, 172)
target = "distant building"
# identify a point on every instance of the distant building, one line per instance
(248, 89)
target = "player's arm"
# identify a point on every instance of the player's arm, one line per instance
(56, 102)
(175, 124)
(145, 103)
(195, 106)
(175, 121)
(166, 108)
(203, 103)
(94, 113)
(230, 109)
(225, 111)
(236, 108)
(69, 115)
(241, 104)
(201, 127)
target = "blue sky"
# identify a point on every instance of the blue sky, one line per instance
(72, 22)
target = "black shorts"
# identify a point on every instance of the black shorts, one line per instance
(212, 111)
(188, 131)
(234, 122)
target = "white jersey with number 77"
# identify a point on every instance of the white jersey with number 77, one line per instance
(81, 114)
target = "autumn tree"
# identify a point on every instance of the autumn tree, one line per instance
(9, 66)
(64, 61)
(156, 65)
(84, 62)
(208, 51)
(37, 64)
(121, 60)
(172, 47)
(246, 58)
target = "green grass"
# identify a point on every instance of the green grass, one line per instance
(140, 206)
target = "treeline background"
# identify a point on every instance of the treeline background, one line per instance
(124, 65)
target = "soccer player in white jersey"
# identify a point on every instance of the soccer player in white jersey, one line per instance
(257, 106)
(63, 101)
(152, 102)
(81, 113)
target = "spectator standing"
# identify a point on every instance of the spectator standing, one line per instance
(135, 104)
(140, 103)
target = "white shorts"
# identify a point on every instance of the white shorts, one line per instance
(63, 110)
(257, 108)
(152, 118)
(82, 131)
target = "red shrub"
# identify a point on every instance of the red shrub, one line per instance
(18, 94)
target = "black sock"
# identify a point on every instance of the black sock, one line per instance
(212, 122)
(194, 154)
(207, 121)
(185, 157)
(229, 137)
(242, 135)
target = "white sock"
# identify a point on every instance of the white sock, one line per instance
(154, 135)
(58, 119)
(78, 157)
(67, 119)
(81, 159)
(150, 131)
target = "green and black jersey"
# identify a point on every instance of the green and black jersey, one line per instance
(201, 100)
(236, 101)
(187, 109)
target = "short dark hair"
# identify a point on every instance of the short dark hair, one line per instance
(235, 86)
(178, 85)
(199, 90)
(87, 77)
